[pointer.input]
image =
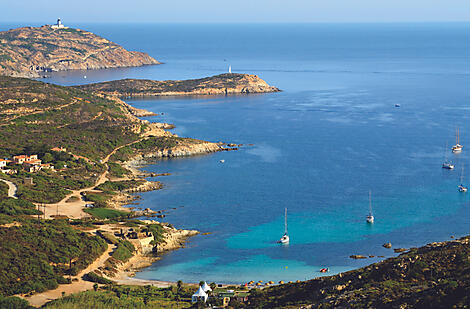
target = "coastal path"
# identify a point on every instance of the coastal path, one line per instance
(12, 188)
(77, 285)
(74, 210)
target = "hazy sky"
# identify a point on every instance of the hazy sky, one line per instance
(46, 11)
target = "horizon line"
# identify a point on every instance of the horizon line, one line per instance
(247, 23)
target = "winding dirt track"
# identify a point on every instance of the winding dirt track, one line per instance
(77, 285)
(12, 188)
(74, 210)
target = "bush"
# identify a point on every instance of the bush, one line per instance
(11, 206)
(14, 303)
(124, 251)
(93, 277)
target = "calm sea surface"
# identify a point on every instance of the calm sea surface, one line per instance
(319, 146)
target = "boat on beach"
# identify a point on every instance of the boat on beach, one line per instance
(285, 238)
(457, 148)
(370, 216)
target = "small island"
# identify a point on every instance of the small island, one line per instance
(223, 84)
(34, 51)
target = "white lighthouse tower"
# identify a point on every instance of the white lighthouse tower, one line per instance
(58, 25)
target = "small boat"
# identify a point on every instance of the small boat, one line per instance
(447, 164)
(462, 188)
(397, 105)
(285, 238)
(457, 148)
(222, 161)
(324, 270)
(370, 216)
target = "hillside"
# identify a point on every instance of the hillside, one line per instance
(433, 276)
(36, 117)
(230, 83)
(32, 51)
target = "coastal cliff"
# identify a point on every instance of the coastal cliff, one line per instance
(230, 83)
(34, 51)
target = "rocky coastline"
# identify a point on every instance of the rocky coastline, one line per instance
(35, 51)
(223, 84)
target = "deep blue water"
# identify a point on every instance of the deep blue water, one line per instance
(319, 146)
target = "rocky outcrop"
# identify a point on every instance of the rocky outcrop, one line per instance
(34, 51)
(174, 239)
(181, 150)
(223, 84)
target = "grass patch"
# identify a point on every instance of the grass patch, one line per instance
(119, 185)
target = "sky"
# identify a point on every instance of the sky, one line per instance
(234, 11)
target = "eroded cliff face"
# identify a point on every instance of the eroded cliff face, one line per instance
(174, 239)
(34, 51)
(230, 83)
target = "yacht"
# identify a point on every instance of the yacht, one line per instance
(462, 188)
(370, 216)
(447, 164)
(285, 238)
(457, 147)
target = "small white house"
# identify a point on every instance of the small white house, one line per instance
(200, 295)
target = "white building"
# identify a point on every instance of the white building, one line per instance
(59, 25)
(200, 295)
(206, 288)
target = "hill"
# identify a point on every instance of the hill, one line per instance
(32, 51)
(433, 276)
(230, 83)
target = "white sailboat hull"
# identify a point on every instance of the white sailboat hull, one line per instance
(284, 239)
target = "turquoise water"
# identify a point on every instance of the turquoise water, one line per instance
(319, 146)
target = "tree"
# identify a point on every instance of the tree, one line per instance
(95, 287)
(179, 285)
(213, 286)
(47, 157)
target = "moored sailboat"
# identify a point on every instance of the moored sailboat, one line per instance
(447, 164)
(285, 238)
(457, 147)
(462, 188)
(370, 216)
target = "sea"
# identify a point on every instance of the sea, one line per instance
(317, 148)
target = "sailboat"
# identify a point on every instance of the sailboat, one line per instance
(457, 147)
(285, 238)
(370, 217)
(462, 188)
(447, 164)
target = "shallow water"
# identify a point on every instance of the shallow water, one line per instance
(319, 145)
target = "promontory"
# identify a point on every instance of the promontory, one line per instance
(34, 51)
(229, 83)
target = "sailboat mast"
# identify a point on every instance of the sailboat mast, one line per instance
(370, 202)
(285, 221)
(457, 137)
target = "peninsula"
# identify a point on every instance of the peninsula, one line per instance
(229, 83)
(34, 51)
(64, 182)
